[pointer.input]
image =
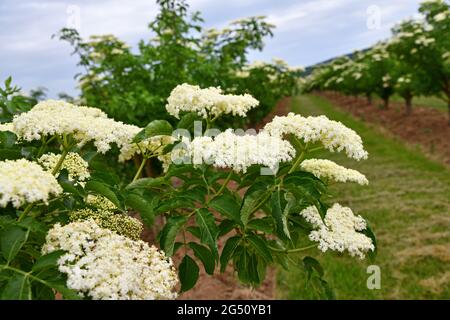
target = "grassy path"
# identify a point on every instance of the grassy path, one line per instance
(408, 205)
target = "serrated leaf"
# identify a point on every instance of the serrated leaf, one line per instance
(17, 288)
(47, 261)
(154, 128)
(263, 225)
(226, 205)
(11, 241)
(280, 219)
(187, 120)
(310, 264)
(169, 233)
(260, 247)
(228, 251)
(208, 229)
(188, 272)
(141, 205)
(254, 198)
(205, 256)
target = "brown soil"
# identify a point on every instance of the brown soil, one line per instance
(225, 286)
(426, 128)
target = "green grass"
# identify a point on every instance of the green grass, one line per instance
(407, 204)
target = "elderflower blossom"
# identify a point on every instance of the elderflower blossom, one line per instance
(103, 265)
(229, 150)
(209, 102)
(85, 124)
(75, 165)
(23, 181)
(119, 223)
(327, 169)
(338, 231)
(6, 127)
(441, 16)
(100, 202)
(332, 134)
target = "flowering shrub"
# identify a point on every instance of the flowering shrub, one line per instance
(133, 85)
(415, 61)
(66, 224)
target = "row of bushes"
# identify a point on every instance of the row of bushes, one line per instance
(415, 61)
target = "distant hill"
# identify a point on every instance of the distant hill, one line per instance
(309, 69)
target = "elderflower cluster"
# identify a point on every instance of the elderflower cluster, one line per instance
(85, 124)
(103, 265)
(23, 181)
(6, 127)
(330, 170)
(332, 134)
(100, 202)
(338, 231)
(229, 150)
(208, 102)
(119, 223)
(75, 165)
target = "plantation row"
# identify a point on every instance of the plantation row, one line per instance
(414, 62)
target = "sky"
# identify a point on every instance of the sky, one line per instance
(307, 32)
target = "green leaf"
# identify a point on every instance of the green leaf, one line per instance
(254, 198)
(169, 233)
(226, 205)
(47, 261)
(67, 293)
(187, 121)
(69, 186)
(147, 183)
(260, 247)
(369, 233)
(228, 251)
(17, 288)
(280, 219)
(102, 189)
(226, 226)
(188, 273)
(205, 256)
(327, 290)
(11, 241)
(310, 264)
(141, 205)
(10, 154)
(7, 139)
(208, 229)
(263, 225)
(154, 128)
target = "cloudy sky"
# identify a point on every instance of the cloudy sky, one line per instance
(308, 31)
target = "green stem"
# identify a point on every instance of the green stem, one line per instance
(141, 167)
(26, 274)
(60, 161)
(299, 160)
(224, 184)
(292, 250)
(25, 212)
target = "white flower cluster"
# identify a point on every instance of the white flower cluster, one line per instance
(339, 230)
(442, 16)
(6, 127)
(230, 150)
(75, 165)
(85, 124)
(208, 102)
(103, 265)
(23, 181)
(332, 134)
(424, 41)
(330, 170)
